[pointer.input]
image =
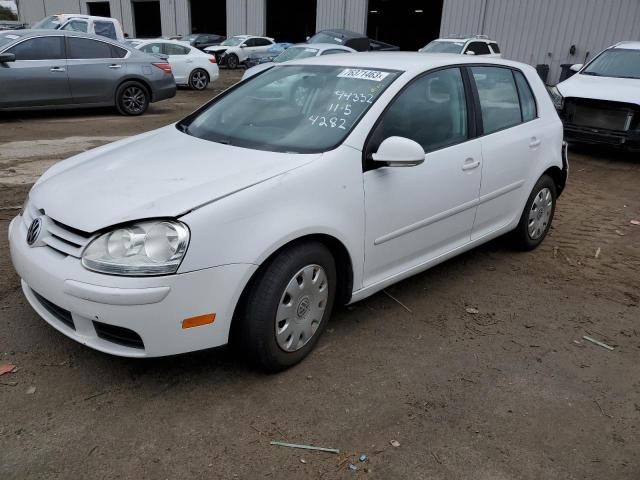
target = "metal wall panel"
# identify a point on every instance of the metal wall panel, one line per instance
(246, 17)
(126, 11)
(256, 17)
(349, 14)
(543, 31)
(183, 17)
(168, 17)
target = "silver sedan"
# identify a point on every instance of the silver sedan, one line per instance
(53, 68)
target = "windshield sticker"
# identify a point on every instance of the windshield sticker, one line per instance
(339, 40)
(12, 37)
(375, 75)
(310, 50)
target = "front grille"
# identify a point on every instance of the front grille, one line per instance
(598, 114)
(63, 239)
(121, 336)
(59, 313)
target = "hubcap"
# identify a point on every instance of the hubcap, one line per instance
(301, 308)
(133, 99)
(540, 213)
(199, 80)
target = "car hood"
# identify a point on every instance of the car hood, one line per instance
(601, 88)
(216, 49)
(163, 173)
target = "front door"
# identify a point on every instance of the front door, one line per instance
(38, 76)
(416, 214)
(180, 60)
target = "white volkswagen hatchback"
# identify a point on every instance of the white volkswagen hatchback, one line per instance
(250, 218)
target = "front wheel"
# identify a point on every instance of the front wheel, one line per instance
(132, 99)
(288, 306)
(199, 79)
(232, 61)
(537, 215)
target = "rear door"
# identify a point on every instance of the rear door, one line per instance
(511, 145)
(95, 69)
(38, 77)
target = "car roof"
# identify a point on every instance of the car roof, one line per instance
(464, 39)
(631, 45)
(404, 61)
(158, 40)
(28, 33)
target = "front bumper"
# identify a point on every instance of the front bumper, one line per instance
(582, 134)
(127, 316)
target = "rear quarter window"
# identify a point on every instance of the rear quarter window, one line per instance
(527, 100)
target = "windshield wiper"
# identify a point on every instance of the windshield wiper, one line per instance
(593, 74)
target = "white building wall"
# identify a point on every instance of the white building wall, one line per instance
(246, 17)
(347, 14)
(543, 31)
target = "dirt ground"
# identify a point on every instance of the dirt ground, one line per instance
(512, 392)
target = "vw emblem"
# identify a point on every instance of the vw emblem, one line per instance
(34, 231)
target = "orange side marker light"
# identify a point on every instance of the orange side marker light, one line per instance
(198, 321)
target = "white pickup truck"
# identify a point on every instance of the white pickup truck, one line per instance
(104, 26)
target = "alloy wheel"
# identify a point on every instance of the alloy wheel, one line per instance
(134, 99)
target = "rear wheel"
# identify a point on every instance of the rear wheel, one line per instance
(232, 61)
(132, 99)
(288, 306)
(537, 216)
(199, 79)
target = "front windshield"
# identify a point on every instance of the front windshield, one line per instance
(191, 37)
(326, 38)
(295, 52)
(232, 42)
(48, 23)
(291, 108)
(443, 47)
(616, 62)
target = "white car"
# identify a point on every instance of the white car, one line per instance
(191, 67)
(235, 50)
(475, 45)
(75, 22)
(251, 217)
(601, 102)
(296, 52)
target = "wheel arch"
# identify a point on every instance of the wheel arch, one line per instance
(344, 270)
(559, 178)
(141, 81)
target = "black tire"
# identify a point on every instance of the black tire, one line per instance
(522, 237)
(132, 98)
(198, 79)
(232, 61)
(257, 315)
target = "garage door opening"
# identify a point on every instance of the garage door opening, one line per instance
(146, 19)
(288, 21)
(410, 24)
(209, 16)
(99, 9)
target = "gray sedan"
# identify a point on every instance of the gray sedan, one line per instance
(53, 68)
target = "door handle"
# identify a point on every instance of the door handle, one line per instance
(470, 164)
(115, 65)
(58, 69)
(535, 142)
(189, 61)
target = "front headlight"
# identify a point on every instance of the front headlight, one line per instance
(556, 98)
(153, 247)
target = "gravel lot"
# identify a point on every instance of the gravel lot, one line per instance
(511, 392)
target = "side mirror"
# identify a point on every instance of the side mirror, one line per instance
(243, 46)
(399, 152)
(469, 52)
(7, 57)
(308, 38)
(577, 67)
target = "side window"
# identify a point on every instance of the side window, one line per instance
(499, 100)
(105, 29)
(432, 111)
(42, 48)
(527, 100)
(117, 52)
(76, 26)
(85, 48)
(479, 48)
(250, 42)
(152, 48)
(495, 47)
(172, 49)
(262, 42)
